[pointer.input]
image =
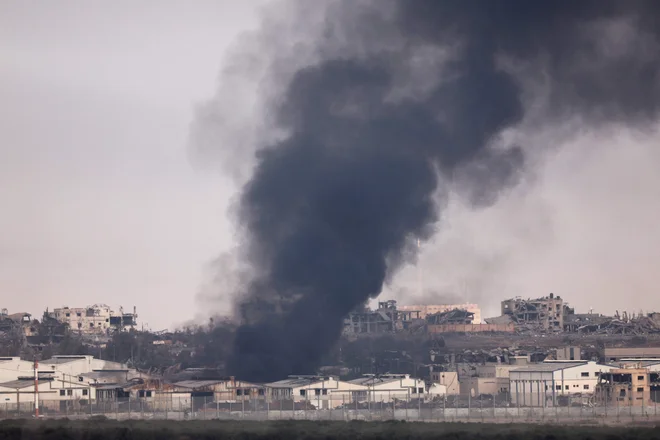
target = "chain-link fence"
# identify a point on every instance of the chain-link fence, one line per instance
(450, 408)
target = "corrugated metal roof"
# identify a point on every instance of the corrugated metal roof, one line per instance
(293, 382)
(17, 384)
(192, 384)
(548, 366)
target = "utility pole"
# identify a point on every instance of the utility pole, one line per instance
(36, 388)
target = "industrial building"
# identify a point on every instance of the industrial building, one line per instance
(323, 392)
(546, 383)
(389, 387)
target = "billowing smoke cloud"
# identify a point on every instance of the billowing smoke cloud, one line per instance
(401, 98)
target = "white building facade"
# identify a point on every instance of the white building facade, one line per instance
(324, 392)
(543, 384)
(390, 387)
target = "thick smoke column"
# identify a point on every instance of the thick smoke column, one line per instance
(332, 209)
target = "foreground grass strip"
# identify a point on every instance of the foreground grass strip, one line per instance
(100, 429)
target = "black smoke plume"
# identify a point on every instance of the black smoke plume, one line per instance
(374, 129)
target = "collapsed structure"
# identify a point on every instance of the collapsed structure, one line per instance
(387, 318)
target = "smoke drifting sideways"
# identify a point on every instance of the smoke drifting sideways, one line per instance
(333, 208)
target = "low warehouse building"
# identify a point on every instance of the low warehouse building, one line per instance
(545, 383)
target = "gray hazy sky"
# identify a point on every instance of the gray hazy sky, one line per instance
(100, 203)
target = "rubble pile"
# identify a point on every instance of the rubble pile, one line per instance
(455, 316)
(622, 325)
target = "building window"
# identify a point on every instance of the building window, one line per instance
(69, 392)
(622, 393)
(91, 325)
(302, 392)
(414, 390)
(141, 393)
(546, 388)
(84, 392)
(584, 374)
(325, 392)
(558, 387)
(62, 392)
(239, 392)
(586, 387)
(77, 314)
(68, 314)
(261, 392)
(640, 378)
(148, 393)
(640, 389)
(317, 392)
(80, 379)
(566, 386)
(421, 391)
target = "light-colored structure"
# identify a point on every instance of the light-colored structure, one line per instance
(95, 319)
(448, 379)
(323, 392)
(542, 384)
(78, 365)
(13, 367)
(569, 353)
(388, 387)
(430, 309)
(490, 379)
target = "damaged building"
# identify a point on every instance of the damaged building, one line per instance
(95, 319)
(632, 385)
(387, 318)
(544, 314)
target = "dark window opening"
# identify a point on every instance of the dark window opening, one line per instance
(69, 392)
(239, 392)
(640, 389)
(62, 392)
(586, 387)
(317, 392)
(302, 392)
(584, 374)
(84, 392)
(325, 392)
(640, 377)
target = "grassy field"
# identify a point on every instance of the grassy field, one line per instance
(100, 429)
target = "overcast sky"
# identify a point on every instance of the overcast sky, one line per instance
(100, 203)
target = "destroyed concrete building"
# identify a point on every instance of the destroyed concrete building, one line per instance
(541, 314)
(455, 316)
(95, 319)
(632, 385)
(385, 319)
(431, 309)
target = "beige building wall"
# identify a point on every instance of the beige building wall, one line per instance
(448, 379)
(430, 309)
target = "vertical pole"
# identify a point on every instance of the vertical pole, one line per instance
(36, 388)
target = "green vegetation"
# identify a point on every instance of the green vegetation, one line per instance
(100, 429)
